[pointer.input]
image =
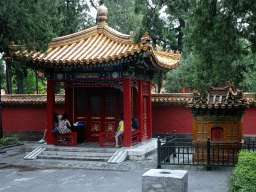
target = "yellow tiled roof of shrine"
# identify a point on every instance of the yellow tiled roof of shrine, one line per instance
(96, 45)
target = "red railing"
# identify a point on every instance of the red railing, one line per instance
(65, 139)
(108, 139)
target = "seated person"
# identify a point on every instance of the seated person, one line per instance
(135, 124)
(56, 119)
(64, 125)
(120, 129)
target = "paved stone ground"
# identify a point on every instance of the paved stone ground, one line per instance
(200, 180)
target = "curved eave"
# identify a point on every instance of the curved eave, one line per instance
(165, 61)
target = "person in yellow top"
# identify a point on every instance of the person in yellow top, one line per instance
(120, 129)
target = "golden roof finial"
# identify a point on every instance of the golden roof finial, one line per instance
(102, 13)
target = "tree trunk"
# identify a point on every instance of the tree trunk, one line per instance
(21, 83)
(36, 81)
(160, 81)
(8, 79)
(180, 35)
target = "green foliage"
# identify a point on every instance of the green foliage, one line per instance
(174, 82)
(30, 83)
(218, 41)
(9, 141)
(74, 17)
(3, 74)
(214, 43)
(244, 176)
(160, 29)
(33, 24)
(121, 15)
(28, 22)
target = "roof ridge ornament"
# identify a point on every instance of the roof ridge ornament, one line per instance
(102, 13)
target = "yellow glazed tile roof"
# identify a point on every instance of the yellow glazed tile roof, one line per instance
(96, 45)
(165, 60)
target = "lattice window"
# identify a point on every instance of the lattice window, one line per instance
(96, 105)
(110, 105)
(229, 132)
(199, 132)
(145, 89)
(145, 106)
(235, 126)
(121, 102)
(81, 101)
(205, 131)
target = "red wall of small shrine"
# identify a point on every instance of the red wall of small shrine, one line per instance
(249, 121)
(166, 119)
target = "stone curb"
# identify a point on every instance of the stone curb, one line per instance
(48, 166)
(4, 165)
(9, 146)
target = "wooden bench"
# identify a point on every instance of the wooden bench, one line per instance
(108, 139)
(65, 139)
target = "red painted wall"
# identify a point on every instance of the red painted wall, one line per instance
(166, 119)
(249, 121)
(25, 118)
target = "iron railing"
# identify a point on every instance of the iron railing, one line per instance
(175, 151)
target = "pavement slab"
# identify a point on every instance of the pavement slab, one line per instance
(114, 176)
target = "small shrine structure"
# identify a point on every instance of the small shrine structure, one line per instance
(219, 116)
(104, 74)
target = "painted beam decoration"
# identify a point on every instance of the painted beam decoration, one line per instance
(99, 52)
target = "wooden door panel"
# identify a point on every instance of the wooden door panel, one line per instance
(145, 117)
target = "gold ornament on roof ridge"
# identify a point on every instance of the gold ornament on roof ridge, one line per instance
(102, 13)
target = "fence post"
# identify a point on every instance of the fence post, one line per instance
(208, 155)
(174, 147)
(158, 153)
(249, 143)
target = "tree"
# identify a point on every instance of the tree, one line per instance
(26, 22)
(74, 16)
(165, 31)
(213, 43)
(174, 82)
(33, 24)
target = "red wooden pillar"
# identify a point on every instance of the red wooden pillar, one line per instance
(127, 112)
(68, 103)
(50, 110)
(149, 113)
(141, 122)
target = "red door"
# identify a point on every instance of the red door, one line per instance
(99, 110)
(145, 117)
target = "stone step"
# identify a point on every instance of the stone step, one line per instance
(78, 158)
(76, 149)
(68, 153)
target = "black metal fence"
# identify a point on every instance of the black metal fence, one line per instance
(177, 151)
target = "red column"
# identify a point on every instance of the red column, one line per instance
(127, 112)
(141, 122)
(68, 102)
(149, 113)
(50, 110)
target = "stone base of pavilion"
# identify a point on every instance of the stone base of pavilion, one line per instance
(92, 152)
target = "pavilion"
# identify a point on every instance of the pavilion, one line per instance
(104, 74)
